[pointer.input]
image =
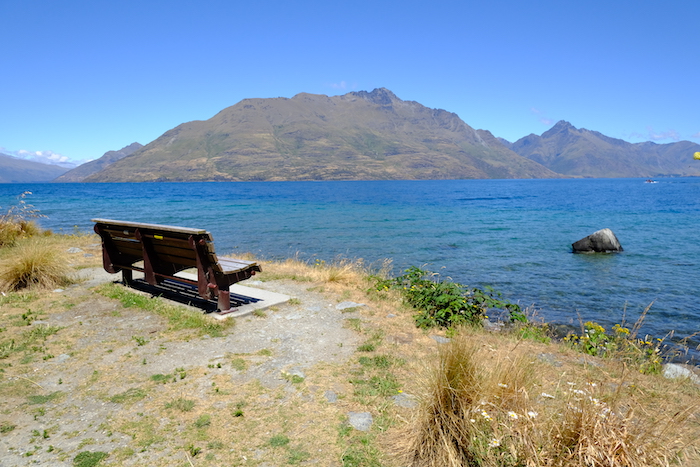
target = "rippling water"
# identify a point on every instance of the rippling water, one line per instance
(515, 235)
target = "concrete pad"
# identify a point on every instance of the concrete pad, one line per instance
(265, 299)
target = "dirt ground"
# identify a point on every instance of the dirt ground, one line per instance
(118, 380)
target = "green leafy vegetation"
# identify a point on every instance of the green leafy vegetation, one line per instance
(622, 343)
(89, 459)
(447, 304)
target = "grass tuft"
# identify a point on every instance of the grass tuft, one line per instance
(488, 408)
(34, 262)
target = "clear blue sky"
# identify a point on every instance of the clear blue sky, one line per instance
(79, 78)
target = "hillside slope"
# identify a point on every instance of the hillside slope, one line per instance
(83, 171)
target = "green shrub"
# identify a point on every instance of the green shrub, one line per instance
(447, 304)
(622, 343)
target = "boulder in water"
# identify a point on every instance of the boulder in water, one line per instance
(602, 241)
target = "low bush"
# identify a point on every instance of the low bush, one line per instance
(447, 304)
(621, 343)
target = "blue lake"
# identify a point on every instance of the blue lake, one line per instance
(514, 235)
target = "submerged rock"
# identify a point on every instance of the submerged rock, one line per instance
(602, 241)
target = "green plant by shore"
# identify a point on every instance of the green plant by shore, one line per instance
(447, 304)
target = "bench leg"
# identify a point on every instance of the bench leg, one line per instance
(224, 300)
(127, 276)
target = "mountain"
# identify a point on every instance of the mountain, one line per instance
(16, 170)
(356, 136)
(83, 171)
(583, 153)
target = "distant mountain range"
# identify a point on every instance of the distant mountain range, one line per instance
(16, 170)
(584, 153)
(83, 171)
(371, 136)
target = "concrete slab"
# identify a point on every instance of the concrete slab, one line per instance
(254, 298)
(262, 299)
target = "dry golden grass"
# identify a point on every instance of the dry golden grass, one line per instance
(33, 262)
(342, 271)
(489, 406)
(14, 230)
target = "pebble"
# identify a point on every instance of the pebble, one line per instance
(344, 305)
(440, 339)
(361, 421)
(331, 397)
(405, 400)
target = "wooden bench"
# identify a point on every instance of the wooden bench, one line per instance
(166, 250)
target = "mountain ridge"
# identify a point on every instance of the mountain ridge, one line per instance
(576, 152)
(356, 136)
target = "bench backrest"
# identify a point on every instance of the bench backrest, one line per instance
(174, 247)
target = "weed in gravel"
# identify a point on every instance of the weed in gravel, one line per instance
(128, 396)
(279, 440)
(183, 405)
(353, 323)
(89, 459)
(239, 364)
(203, 421)
(6, 427)
(43, 399)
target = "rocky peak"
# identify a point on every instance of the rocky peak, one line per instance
(561, 128)
(381, 96)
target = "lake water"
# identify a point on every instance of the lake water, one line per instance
(514, 235)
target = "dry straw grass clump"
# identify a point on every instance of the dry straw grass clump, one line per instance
(341, 271)
(16, 222)
(33, 262)
(483, 407)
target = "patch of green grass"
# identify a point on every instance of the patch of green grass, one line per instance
(140, 340)
(43, 399)
(239, 364)
(89, 459)
(361, 452)
(6, 427)
(215, 445)
(160, 378)
(265, 352)
(183, 405)
(378, 361)
(380, 385)
(179, 317)
(144, 431)
(296, 455)
(278, 441)
(130, 395)
(18, 298)
(353, 323)
(203, 421)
